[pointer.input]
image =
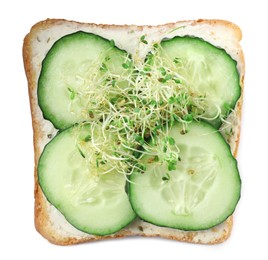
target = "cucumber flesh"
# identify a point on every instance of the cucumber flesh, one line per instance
(208, 71)
(92, 202)
(203, 190)
(74, 72)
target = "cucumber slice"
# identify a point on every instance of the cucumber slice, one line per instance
(74, 76)
(208, 71)
(200, 193)
(74, 183)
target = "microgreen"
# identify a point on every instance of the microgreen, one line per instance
(162, 71)
(139, 139)
(140, 167)
(171, 100)
(188, 118)
(171, 140)
(166, 177)
(155, 45)
(103, 67)
(127, 64)
(81, 152)
(176, 60)
(113, 82)
(72, 93)
(131, 111)
(171, 166)
(142, 39)
(87, 138)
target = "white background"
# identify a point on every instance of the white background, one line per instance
(18, 238)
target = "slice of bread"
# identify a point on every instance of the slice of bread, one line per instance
(48, 220)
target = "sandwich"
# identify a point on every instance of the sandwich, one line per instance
(136, 129)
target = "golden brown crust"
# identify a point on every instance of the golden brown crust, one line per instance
(42, 218)
(189, 237)
(52, 22)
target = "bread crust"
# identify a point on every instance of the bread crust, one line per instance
(43, 221)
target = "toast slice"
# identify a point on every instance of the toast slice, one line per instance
(49, 222)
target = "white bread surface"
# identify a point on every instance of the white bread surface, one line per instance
(48, 220)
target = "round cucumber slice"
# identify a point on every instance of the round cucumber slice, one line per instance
(200, 193)
(74, 77)
(74, 183)
(208, 71)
